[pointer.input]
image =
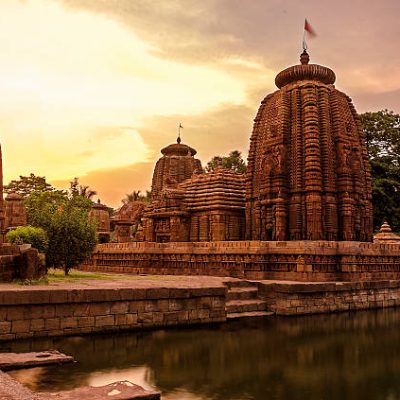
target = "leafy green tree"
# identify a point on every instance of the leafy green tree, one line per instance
(382, 135)
(25, 185)
(29, 235)
(233, 161)
(70, 231)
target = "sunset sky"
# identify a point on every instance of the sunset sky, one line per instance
(95, 88)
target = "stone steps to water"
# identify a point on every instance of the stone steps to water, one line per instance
(239, 283)
(236, 306)
(242, 300)
(242, 293)
(251, 314)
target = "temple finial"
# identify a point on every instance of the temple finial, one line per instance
(178, 140)
(304, 57)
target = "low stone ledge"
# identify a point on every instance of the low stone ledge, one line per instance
(10, 361)
(63, 296)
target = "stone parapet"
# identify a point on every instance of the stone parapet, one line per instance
(296, 298)
(286, 260)
(58, 312)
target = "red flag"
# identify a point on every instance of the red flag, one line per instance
(308, 28)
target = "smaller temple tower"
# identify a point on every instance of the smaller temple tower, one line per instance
(176, 165)
(15, 211)
(100, 214)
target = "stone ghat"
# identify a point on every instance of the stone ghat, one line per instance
(294, 298)
(292, 260)
(108, 306)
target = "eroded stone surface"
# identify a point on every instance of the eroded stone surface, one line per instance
(123, 390)
(9, 361)
(10, 389)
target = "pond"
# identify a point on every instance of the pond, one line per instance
(338, 356)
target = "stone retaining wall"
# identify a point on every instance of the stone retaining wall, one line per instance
(33, 313)
(313, 298)
(293, 260)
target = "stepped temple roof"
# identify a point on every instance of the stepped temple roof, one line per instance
(386, 235)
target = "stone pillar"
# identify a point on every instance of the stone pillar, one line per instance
(217, 227)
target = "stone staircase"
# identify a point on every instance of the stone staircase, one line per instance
(242, 301)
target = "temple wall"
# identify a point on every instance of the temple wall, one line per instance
(301, 261)
(47, 312)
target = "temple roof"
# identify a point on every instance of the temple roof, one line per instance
(305, 71)
(178, 149)
(386, 235)
(221, 188)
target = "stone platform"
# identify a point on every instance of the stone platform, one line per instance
(10, 389)
(153, 302)
(306, 261)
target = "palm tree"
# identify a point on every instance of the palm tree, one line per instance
(81, 190)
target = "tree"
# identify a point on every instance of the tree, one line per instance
(233, 161)
(136, 195)
(28, 184)
(70, 231)
(382, 135)
(77, 189)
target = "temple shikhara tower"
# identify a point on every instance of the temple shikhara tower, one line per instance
(308, 171)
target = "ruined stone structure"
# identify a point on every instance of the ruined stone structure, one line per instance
(16, 262)
(206, 207)
(126, 219)
(15, 214)
(100, 214)
(176, 165)
(308, 171)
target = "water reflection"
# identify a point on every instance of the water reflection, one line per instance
(342, 356)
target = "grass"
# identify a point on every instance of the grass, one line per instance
(55, 275)
(58, 276)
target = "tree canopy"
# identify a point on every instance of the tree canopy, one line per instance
(382, 136)
(71, 233)
(76, 189)
(25, 185)
(136, 195)
(233, 161)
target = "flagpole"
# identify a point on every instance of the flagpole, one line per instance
(304, 37)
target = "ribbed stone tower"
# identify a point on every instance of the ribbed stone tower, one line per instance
(308, 172)
(176, 165)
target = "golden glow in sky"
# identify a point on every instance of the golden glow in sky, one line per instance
(94, 88)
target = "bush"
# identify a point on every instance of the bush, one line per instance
(29, 235)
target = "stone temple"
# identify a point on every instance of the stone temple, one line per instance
(308, 171)
(303, 210)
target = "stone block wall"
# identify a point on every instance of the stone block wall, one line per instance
(314, 298)
(50, 312)
(300, 261)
